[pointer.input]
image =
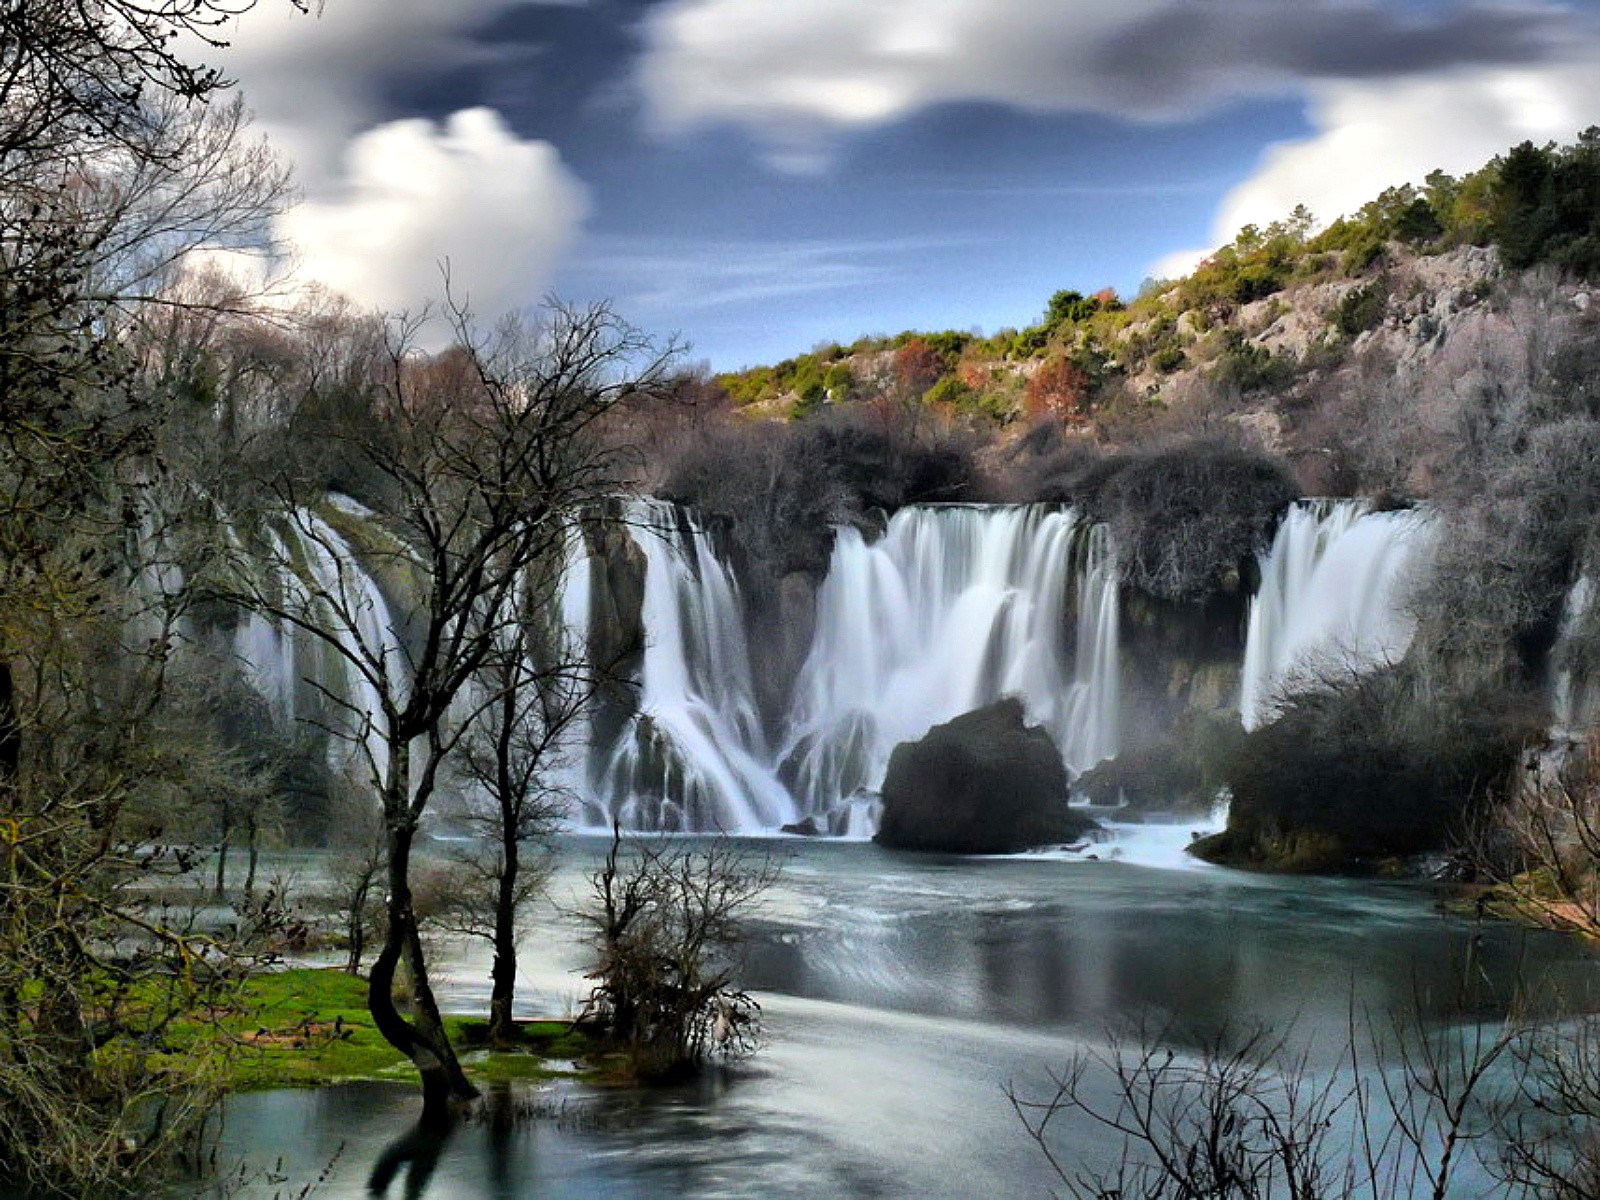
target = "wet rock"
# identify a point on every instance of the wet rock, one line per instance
(984, 783)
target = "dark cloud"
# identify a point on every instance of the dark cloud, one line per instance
(1200, 48)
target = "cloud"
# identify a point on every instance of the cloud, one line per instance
(1370, 137)
(499, 208)
(663, 278)
(795, 73)
(313, 81)
(386, 201)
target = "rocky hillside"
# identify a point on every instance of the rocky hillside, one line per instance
(1281, 335)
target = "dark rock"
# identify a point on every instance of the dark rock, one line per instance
(1175, 776)
(984, 783)
(807, 827)
(616, 619)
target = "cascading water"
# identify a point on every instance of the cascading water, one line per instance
(1574, 692)
(951, 609)
(314, 566)
(1329, 598)
(695, 756)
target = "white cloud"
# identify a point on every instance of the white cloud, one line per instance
(1370, 137)
(499, 208)
(386, 201)
(311, 79)
(796, 72)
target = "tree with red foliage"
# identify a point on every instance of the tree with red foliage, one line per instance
(1061, 389)
(917, 367)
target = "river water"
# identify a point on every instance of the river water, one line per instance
(903, 995)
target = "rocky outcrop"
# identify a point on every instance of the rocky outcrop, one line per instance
(616, 620)
(984, 783)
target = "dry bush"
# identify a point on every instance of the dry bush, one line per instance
(667, 933)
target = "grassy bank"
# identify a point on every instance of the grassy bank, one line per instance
(310, 1027)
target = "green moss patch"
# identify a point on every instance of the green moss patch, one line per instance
(310, 1027)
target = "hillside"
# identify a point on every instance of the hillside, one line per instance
(1276, 334)
(1438, 347)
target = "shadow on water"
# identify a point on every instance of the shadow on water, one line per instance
(416, 1154)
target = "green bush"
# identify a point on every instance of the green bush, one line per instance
(1361, 309)
(1370, 765)
(1250, 367)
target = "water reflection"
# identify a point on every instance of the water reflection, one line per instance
(902, 995)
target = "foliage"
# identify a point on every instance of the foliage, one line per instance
(1186, 516)
(1059, 388)
(1361, 308)
(1546, 205)
(1251, 367)
(666, 927)
(1369, 765)
(110, 172)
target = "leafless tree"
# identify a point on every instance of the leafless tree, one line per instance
(480, 458)
(1247, 1118)
(667, 928)
(536, 689)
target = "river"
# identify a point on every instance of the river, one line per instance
(902, 995)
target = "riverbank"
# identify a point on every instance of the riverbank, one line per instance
(309, 1027)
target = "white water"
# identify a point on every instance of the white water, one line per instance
(1330, 599)
(303, 676)
(951, 609)
(696, 757)
(1574, 693)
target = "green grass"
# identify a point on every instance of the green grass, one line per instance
(310, 1027)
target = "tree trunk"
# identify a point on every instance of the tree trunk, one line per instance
(10, 729)
(503, 976)
(356, 928)
(254, 856)
(220, 887)
(422, 1041)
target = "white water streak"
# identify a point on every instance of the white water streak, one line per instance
(1330, 598)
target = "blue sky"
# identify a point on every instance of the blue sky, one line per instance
(759, 176)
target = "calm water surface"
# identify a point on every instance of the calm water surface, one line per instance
(902, 995)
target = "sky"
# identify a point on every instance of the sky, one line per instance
(758, 177)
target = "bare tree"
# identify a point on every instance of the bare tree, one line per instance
(1541, 848)
(538, 687)
(479, 458)
(667, 927)
(1247, 1118)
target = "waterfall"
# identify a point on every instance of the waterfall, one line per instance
(312, 565)
(695, 756)
(1574, 693)
(950, 610)
(1329, 599)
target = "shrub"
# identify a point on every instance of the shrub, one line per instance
(1370, 765)
(1185, 517)
(667, 933)
(1361, 309)
(1250, 367)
